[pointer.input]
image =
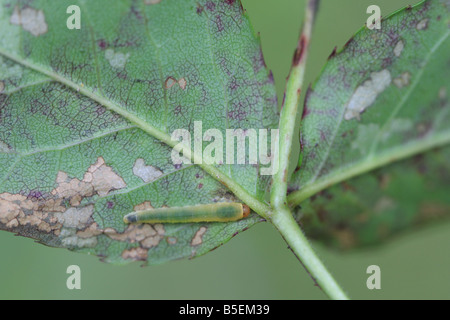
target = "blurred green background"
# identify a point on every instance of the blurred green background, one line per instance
(256, 264)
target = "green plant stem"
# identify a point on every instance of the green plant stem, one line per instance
(300, 246)
(281, 216)
(289, 109)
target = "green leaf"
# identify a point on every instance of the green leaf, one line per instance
(85, 117)
(384, 97)
(376, 206)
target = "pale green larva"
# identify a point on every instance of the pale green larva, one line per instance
(215, 212)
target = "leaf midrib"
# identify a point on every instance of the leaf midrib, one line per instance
(393, 113)
(368, 163)
(258, 206)
(411, 88)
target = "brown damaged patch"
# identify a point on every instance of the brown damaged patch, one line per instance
(403, 80)
(2, 86)
(91, 231)
(300, 51)
(146, 235)
(30, 19)
(103, 178)
(346, 238)
(182, 83)
(99, 179)
(59, 212)
(433, 210)
(146, 205)
(171, 81)
(383, 231)
(385, 181)
(171, 240)
(17, 210)
(198, 237)
(135, 254)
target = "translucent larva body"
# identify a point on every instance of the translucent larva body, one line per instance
(215, 212)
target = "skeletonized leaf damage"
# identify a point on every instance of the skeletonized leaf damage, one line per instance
(71, 167)
(382, 98)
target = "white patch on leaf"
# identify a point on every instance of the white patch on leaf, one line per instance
(146, 173)
(443, 93)
(399, 48)
(4, 148)
(30, 19)
(116, 59)
(149, 2)
(75, 217)
(396, 127)
(423, 24)
(383, 204)
(366, 94)
(16, 72)
(69, 239)
(365, 136)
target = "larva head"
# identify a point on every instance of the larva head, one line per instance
(130, 218)
(245, 210)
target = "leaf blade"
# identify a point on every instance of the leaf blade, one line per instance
(325, 120)
(78, 107)
(381, 204)
(382, 98)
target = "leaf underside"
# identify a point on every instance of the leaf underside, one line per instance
(384, 97)
(73, 161)
(71, 168)
(371, 208)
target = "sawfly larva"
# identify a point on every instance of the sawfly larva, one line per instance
(215, 212)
